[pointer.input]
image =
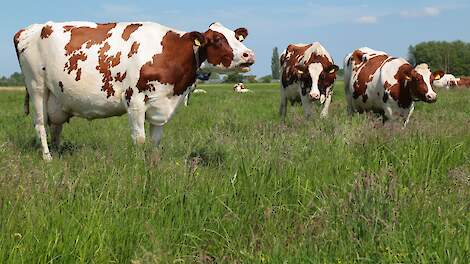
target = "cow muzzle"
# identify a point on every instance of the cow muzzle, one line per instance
(314, 96)
(247, 59)
(431, 97)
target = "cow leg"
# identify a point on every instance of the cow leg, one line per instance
(412, 108)
(326, 107)
(307, 106)
(57, 117)
(39, 97)
(156, 133)
(137, 121)
(283, 105)
(56, 130)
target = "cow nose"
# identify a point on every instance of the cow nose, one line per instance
(431, 97)
(314, 96)
(249, 56)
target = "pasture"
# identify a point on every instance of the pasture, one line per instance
(233, 185)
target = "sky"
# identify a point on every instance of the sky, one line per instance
(340, 26)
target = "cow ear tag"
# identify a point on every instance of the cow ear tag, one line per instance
(196, 42)
(408, 78)
(241, 38)
(332, 70)
(300, 72)
(437, 77)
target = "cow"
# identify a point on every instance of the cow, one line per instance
(95, 70)
(240, 88)
(461, 82)
(308, 74)
(446, 81)
(377, 82)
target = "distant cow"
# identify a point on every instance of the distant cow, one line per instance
(308, 74)
(240, 88)
(375, 81)
(100, 70)
(446, 81)
(461, 82)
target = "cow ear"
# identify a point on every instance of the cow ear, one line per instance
(332, 69)
(197, 38)
(438, 74)
(241, 34)
(300, 69)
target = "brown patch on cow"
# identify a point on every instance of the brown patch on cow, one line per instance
(105, 63)
(289, 72)
(128, 95)
(46, 31)
(463, 82)
(398, 91)
(134, 49)
(366, 73)
(72, 64)
(16, 41)
(61, 85)
(146, 98)
(67, 28)
(357, 58)
(79, 74)
(120, 77)
(126, 34)
(218, 50)
(87, 35)
(175, 65)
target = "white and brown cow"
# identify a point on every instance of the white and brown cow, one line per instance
(95, 70)
(240, 88)
(446, 81)
(375, 81)
(308, 74)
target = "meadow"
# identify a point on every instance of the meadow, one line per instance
(231, 184)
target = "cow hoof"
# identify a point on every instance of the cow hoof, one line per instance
(140, 140)
(46, 157)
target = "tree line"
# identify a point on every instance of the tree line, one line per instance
(451, 57)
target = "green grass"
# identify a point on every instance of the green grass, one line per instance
(233, 185)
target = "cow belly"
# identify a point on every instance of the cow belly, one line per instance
(89, 101)
(292, 92)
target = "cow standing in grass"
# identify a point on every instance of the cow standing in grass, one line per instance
(375, 81)
(308, 74)
(100, 70)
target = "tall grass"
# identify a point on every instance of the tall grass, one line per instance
(232, 184)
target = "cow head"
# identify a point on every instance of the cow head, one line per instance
(419, 81)
(316, 78)
(224, 50)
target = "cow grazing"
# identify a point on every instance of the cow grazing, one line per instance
(240, 88)
(101, 70)
(375, 81)
(446, 81)
(461, 82)
(308, 74)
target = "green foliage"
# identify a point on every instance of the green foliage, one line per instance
(232, 184)
(233, 78)
(275, 64)
(266, 79)
(16, 79)
(452, 57)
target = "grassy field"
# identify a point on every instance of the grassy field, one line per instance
(233, 185)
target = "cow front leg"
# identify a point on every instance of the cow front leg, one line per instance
(326, 107)
(137, 121)
(156, 133)
(407, 120)
(307, 106)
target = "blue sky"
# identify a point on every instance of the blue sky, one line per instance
(341, 26)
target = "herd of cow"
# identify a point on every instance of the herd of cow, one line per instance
(146, 70)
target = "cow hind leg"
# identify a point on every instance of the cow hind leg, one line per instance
(57, 117)
(156, 133)
(39, 97)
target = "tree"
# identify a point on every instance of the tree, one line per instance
(233, 78)
(452, 57)
(16, 79)
(275, 67)
(266, 79)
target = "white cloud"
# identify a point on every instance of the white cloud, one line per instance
(427, 11)
(367, 20)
